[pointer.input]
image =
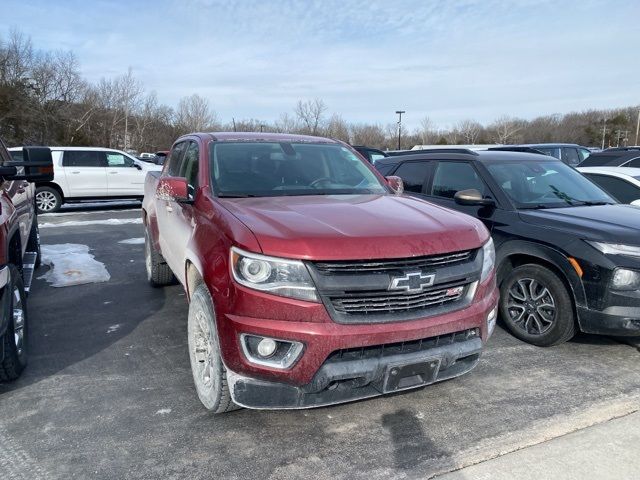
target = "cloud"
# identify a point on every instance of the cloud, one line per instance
(449, 60)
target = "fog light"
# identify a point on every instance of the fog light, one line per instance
(624, 279)
(267, 347)
(491, 321)
(270, 352)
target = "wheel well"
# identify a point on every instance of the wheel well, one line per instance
(55, 186)
(193, 278)
(517, 260)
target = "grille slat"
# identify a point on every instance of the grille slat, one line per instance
(420, 263)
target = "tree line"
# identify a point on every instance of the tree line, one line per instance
(44, 100)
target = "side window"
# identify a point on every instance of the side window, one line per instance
(634, 163)
(451, 177)
(172, 165)
(83, 158)
(375, 157)
(118, 160)
(413, 175)
(552, 152)
(570, 156)
(618, 188)
(189, 167)
(584, 153)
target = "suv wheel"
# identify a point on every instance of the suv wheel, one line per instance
(48, 200)
(209, 373)
(15, 338)
(159, 273)
(536, 306)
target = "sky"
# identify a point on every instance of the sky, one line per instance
(448, 60)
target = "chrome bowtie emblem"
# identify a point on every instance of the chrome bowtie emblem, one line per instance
(414, 282)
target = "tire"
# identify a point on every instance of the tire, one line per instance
(33, 244)
(15, 338)
(48, 200)
(536, 306)
(159, 273)
(209, 373)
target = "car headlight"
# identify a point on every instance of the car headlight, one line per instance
(616, 249)
(488, 259)
(624, 279)
(279, 276)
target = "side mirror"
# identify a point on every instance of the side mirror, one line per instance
(636, 203)
(396, 184)
(135, 165)
(472, 197)
(173, 189)
(37, 166)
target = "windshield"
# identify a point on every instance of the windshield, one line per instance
(261, 169)
(549, 184)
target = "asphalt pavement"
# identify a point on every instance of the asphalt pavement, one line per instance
(108, 393)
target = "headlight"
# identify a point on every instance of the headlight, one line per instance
(624, 279)
(616, 249)
(488, 259)
(287, 278)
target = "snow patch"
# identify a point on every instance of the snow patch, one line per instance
(113, 328)
(72, 264)
(133, 241)
(78, 223)
(163, 411)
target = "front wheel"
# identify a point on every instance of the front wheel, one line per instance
(536, 306)
(48, 200)
(209, 373)
(15, 337)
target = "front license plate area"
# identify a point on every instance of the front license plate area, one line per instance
(403, 376)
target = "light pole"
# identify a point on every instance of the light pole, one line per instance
(399, 112)
(604, 131)
(637, 127)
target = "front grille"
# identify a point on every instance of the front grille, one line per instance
(418, 263)
(389, 349)
(367, 303)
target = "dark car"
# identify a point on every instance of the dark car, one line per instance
(372, 155)
(568, 256)
(614, 157)
(569, 153)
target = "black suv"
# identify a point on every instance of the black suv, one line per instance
(372, 155)
(568, 256)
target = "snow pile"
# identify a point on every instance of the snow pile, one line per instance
(72, 264)
(77, 223)
(133, 241)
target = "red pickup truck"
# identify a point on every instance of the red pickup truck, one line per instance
(311, 279)
(19, 250)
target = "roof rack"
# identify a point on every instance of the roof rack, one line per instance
(516, 149)
(426, 151)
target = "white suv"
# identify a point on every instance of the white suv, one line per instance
(82, 173)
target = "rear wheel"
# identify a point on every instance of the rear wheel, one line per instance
(15, 338)
(48, 200)
(536, 306)
(209, 373)
(159, 273)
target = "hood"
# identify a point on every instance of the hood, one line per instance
(348, 227)
(619, 223)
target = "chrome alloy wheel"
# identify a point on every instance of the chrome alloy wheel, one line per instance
(203, 353)
(45, 201)
(531, 306)
(18, 321)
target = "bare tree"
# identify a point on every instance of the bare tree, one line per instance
(286, 124)
(469, 130)
(504, 129)
(194, 114)
(427, 132)
(311, 115)
(369, 135)
(337, 128)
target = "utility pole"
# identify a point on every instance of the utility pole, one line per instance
(637, 127)
(399, 112)
(234, 123)
(604, 131)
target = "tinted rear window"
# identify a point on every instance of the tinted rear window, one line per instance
(83, 158)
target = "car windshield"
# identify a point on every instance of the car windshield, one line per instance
(261, 169)
(549, 184)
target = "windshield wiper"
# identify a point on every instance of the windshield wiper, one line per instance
(236, 195)
(539, 206)
(589, 203)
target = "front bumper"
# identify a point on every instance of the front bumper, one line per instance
(358, 375)
(617, 321)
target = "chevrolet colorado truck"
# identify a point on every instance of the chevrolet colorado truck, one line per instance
(311, 279)
(19, 250)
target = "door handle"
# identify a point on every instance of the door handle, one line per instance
(113, 173)
(75, 172)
